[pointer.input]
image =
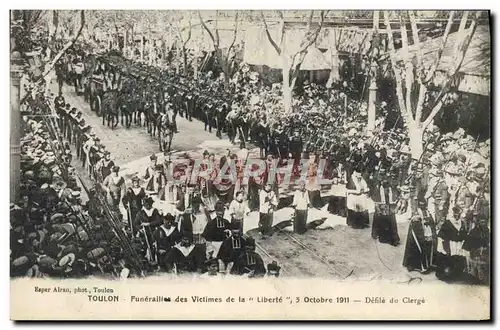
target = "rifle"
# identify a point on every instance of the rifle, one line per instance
(420, 158)
(467, 167)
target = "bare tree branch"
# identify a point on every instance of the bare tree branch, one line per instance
(281, 27)
(392, 50)
(407, 63)
(55, 22)
(53, 33)
(465, 42)
(216, 46)
(269, 37)
(416, 41)
(461, 31)
(234, 36)
(463, 21)
(189, 31)
(179, 34)
(439, 54)
(66, 47)
(422, 90)
(309, 39)
(217, 38)
(434, 112)
(309, 21)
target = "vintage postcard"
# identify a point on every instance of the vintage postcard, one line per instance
(250, 165)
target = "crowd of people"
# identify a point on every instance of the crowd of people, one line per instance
(445, 193)
(162, 242)
(52, 233)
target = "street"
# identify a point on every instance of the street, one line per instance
(131, 148)
(127, 145)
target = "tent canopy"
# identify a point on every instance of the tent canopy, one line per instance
(259, 51)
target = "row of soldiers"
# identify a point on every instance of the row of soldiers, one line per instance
(175, 98)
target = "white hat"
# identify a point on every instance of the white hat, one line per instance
(67, 260)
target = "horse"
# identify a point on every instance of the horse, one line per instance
(165, 132)
(111, 108)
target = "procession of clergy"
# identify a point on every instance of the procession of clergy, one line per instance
(373, 181)
(179, 229)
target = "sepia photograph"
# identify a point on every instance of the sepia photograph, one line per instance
(282, 159)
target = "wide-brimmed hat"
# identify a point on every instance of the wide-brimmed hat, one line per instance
(452, 169)
(67, 260)
(404, 189)
(447, 137)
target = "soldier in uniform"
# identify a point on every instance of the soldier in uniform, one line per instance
(80, 130)
(178, 103)
(262, 137)
(59, 69)
(71, 124)
(231, 119)
(189, 105)
(94, 157)
(65, 120)
(295, 145)
(220, 114)
(76, 122)
(208, 115)
(59, 103)
(86, 151)
(438, 191)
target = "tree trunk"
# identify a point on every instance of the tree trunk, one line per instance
(287, 91)
(163, 51)
(416, 139)
(226, 67)
(142, 48)
(150, 49)
(372, 98)
(185, 61)
(195, 68)
(335, 61)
